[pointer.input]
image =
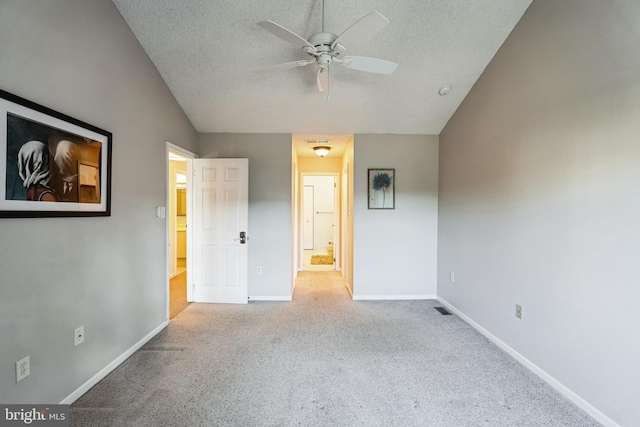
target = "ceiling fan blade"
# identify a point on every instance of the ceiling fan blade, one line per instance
(285, 66)
(361, 31)
(285, 34)
(323, 79)
(370, 65)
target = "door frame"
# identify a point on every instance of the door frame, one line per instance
(189, 156)
(337, 244)
(304, 217)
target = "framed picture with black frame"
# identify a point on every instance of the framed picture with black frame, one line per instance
(51, 165)
(381, 188)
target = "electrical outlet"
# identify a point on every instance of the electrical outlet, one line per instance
(78, 336)
(23, 369)
(452, 276)
(258, 270)
(518, 311)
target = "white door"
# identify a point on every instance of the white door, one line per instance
(221, 191)
(308, 218)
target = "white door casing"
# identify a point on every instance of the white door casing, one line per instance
(221, 192)
(308, 217)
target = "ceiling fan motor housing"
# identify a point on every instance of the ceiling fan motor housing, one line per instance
(323, 41)
(324, 53)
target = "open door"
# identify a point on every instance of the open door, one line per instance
(221, 192)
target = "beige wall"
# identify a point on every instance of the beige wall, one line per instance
(80, 58)
(539, 206)
(346, 236)
(175, 221)
(317, 164)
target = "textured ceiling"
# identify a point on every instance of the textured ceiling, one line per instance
(207, 50)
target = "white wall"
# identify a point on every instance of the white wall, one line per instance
(539, 199)
(270, 213)
(80, 58)
(395, 250)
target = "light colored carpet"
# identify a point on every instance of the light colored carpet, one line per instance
(322, 360)
(177, 294)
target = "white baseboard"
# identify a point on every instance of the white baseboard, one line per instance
(566, 391)
(276, 298)
(111, 366)
(392, 297)
(346, 285)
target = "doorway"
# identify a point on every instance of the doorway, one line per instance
(178, 216)
(320, 222)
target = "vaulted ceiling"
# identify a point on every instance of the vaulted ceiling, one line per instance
(207, 52)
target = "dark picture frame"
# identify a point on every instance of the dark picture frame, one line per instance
(381, 188)
(51, 165)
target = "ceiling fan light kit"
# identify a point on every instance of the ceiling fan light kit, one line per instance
(325, 48)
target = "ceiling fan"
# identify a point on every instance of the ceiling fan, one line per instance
(326, 49)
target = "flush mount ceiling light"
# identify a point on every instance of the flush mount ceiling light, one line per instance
(321, 150)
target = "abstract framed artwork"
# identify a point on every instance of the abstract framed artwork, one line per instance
(381, 188)
(51, 165)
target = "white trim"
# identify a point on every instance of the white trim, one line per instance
(277, 298)
(392, 297)
(346, 285)
(111, 366)
(190, 157)
(566, 391)
(178, 149)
